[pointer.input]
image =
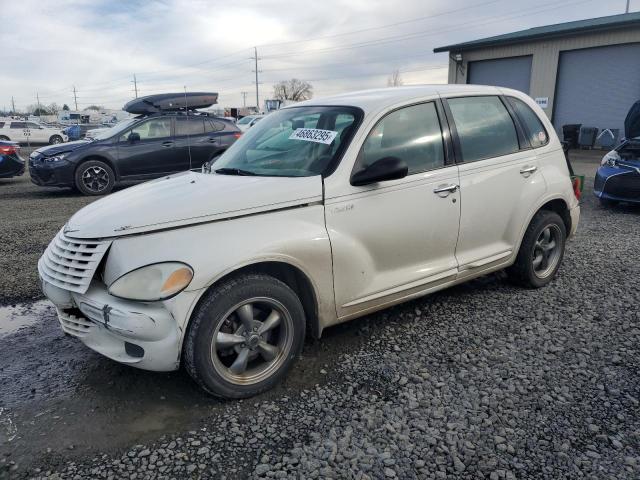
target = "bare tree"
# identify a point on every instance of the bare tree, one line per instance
(53, 108)
(395, 79)
(294, 89)
(97, 108)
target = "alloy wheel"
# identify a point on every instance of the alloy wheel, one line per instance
(547, 251)
(253, 341)
(95, 179)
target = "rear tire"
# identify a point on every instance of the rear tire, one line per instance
(607, 203)
(55, 139)
(94, 178)
(541, 251)
(244, 336)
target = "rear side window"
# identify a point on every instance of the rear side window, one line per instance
(1, 124)
(484, 127)
(213, 126)
(412, 134)
(536, 132)
(189, 126)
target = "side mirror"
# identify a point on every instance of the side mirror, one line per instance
(387, 168)
(133, 137)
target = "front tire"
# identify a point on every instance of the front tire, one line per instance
(55, 139)
(244, 336)
(541, 251)
(94, 178)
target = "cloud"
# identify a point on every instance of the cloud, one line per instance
(97, 45)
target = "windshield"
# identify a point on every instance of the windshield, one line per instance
(244, 120)
(293, 142)
(117, 128)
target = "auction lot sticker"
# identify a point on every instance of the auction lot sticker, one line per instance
(314, 135)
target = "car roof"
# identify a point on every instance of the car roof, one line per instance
(375, 99)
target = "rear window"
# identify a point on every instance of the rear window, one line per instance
(484, 127)
(536, 133)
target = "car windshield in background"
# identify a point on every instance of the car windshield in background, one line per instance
(117, 128)
(244, 120)
(293, 142)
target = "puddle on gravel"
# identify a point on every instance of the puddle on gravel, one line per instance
(16, 317)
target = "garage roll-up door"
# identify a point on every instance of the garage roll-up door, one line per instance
(597, 86)
(513, 72)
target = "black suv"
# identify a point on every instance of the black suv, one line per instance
(141, 148)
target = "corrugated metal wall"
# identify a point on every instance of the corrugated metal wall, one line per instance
(546, 55)
(502, 72)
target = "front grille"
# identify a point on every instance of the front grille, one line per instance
(73, 323)
(70, 263)
(625, 185)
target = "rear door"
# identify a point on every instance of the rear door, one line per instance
(153, 153)
(499, 178)
(37, 133)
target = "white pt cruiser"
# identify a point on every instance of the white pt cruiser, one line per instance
(323, 212)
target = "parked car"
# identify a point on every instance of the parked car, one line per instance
(150, 145)
(11, 164)
(30, 132)
(245, 123)
(325, 211)
(618, 178)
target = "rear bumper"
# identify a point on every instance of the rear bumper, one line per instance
(144, 335)
(11, 167)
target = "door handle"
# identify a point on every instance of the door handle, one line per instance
(446, 189)
(167, 144)
(213, 140)
(528, 170)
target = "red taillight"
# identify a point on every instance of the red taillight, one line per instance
(237, 135)
(576, 187)
(8, 149)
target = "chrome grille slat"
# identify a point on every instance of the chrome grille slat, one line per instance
(71, 263)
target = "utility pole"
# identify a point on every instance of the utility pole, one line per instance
(135, 84)
(38, 99)
(13, 105)
(244, 98)
(255, 57)
(75, 97)
(627, 10)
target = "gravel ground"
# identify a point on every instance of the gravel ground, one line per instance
(484, 380)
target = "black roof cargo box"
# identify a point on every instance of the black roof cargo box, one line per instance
(170, 102)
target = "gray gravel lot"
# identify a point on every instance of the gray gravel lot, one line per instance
(484, 380)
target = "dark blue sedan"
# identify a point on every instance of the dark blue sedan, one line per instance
(11, 164)
(618, 178)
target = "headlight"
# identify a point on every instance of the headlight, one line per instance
(611, 159)
(55, 158)
(153, 282)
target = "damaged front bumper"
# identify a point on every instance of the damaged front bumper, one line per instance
(144, 335)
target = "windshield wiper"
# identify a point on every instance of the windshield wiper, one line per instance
(233, 171)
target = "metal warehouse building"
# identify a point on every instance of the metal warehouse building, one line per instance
(585, 72)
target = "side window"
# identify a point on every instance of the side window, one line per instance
(484, 127)
(18, 125)
(189, 126)
(536, 132)
(151, 129)
(1, 124)
(213, 126)
(412, 134)
(32, 125)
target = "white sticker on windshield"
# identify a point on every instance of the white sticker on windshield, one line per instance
(314, 135)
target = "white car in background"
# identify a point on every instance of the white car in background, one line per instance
(327, 211)
(245, 123)
(31, 132)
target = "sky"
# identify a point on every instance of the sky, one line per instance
(96, 46)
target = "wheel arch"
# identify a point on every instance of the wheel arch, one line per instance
(555, 204)
(287, 273)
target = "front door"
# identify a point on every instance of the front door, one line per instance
(148, 150)
(499, 180)
(395, 239)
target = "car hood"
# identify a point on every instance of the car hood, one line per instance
(62, 147)
(189, 198)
